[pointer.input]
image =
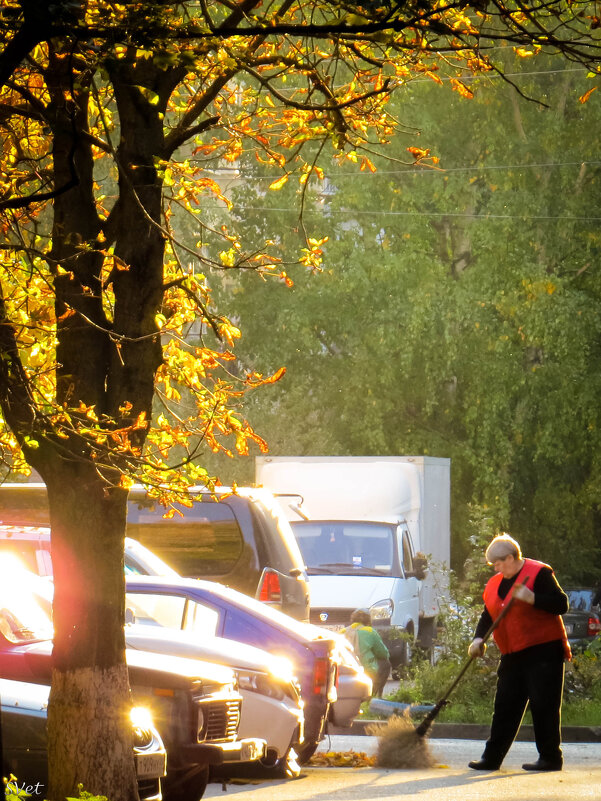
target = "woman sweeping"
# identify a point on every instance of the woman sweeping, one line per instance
(533, 645)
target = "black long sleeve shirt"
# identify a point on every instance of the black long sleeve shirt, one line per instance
(549, 597)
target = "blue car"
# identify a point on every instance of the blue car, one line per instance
(210, 609)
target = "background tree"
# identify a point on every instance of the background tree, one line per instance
(99, 103)
(458, 311)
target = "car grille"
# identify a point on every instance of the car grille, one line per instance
(221, 720)
(335, 617)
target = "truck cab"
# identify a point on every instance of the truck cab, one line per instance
(363, 564)
(368, 526)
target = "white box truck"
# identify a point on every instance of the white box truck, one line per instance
(374, 533)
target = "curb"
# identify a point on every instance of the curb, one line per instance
(476, 731)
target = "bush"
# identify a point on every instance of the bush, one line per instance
(471, 701)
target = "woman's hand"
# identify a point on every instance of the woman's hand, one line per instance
(477, 647)
(522, 593)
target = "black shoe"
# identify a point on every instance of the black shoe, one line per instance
(483, 764)
(543, 764)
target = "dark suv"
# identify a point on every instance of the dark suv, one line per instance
(241, 539)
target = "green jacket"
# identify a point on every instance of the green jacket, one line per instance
(368, 645)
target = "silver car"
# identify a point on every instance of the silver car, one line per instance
(272, 708)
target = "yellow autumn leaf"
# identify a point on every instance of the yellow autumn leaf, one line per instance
(583, 98)
(228, 257)
(279, 183)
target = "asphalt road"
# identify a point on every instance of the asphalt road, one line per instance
(449, 780)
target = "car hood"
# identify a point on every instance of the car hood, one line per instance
(24, 695)
(33, 662)
(233, 654)
(150, 667)
(349, 592)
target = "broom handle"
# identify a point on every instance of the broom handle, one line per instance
(429, 719)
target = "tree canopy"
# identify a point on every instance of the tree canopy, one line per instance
(112, 116)
(457, 313)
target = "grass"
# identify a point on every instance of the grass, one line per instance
(472, 699)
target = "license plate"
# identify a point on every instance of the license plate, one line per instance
(332, 626)
(569, 628)
(249, 752)
(150, 766)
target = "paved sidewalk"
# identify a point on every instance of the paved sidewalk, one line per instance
(450, 779)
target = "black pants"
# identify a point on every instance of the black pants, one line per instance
(519, 683)
(380, 677)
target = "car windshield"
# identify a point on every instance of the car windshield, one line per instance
(343, 547)
(141, 561)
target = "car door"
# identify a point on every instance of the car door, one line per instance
(406, 588)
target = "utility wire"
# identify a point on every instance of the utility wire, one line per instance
(467, 215)
(439, 171)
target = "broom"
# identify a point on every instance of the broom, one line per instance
(427, 722)
(401, 745)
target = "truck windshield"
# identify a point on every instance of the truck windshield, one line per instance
(336, 546)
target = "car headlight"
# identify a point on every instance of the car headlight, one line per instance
(141, 721)
(281, 668)
(269, 685)
(381, 612)
(200, 725)
(262, 683)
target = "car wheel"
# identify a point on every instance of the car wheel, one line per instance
(287, 767)
(306, 751)
(189, 786)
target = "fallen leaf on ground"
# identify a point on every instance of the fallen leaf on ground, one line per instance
(342, 759)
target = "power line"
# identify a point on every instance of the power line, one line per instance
(476, 168)
(466, 215)
(439, 170)
(479, 75)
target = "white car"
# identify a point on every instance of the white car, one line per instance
(271, 700)
(272, 708)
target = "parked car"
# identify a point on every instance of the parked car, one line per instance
(271, 698)
(24, 741)
(582, 618)
(194, 704)
(240, 538)
(272, 709)
(207, 608)
(28, 548)
(354, 685)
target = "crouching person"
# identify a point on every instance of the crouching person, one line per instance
(370, 650)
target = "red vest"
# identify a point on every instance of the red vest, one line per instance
(523, 625)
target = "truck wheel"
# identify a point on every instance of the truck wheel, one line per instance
(189, 786)
(427, 633)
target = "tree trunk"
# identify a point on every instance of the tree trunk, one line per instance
(106, 364)
(89, 732)
(88, 715)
